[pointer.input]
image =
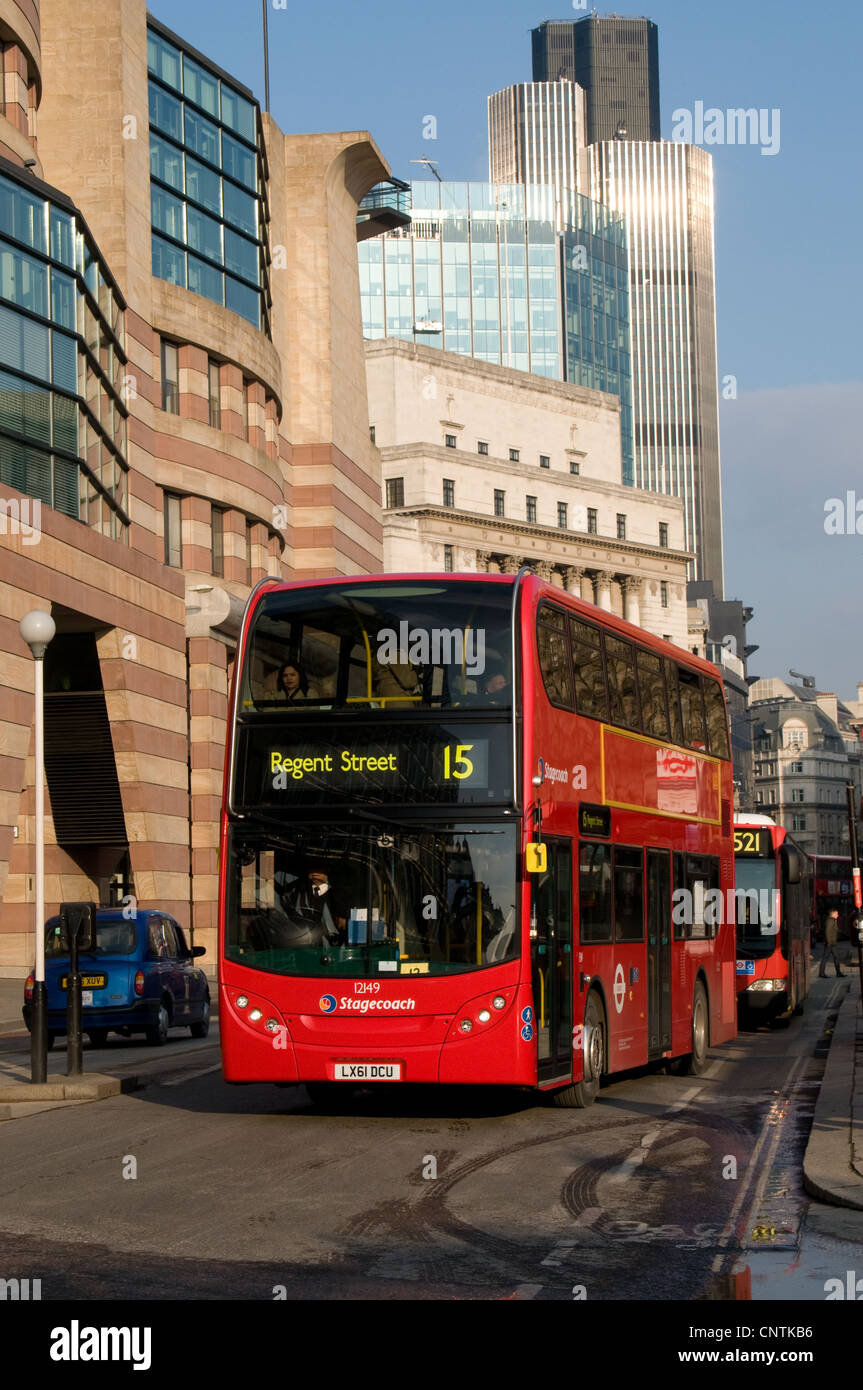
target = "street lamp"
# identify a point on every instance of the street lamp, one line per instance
(37, 629)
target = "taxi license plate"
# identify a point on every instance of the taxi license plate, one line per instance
(87, 982)
(367, 1071)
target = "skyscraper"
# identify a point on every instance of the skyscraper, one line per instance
(535, 128)
(616, 60)
(664, 191)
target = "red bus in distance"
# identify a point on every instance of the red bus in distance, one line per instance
(832, 886)
(457, 811)
(771, 879)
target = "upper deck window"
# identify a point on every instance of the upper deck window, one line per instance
(396, 645)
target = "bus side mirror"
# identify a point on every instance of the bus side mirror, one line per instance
(792, 865)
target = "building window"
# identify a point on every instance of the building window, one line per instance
(448, 559)
(663, 534)
(798, 822)
(499, 501)
(796, 767)
(663, 594)
(395, 492)
(544, 461)
(214, 382)
(621, 526)
(482, 447)
(217, 527)
(574, 466)
(170, 378)
(450, 441)
(797, 794)
(372, 434)
(448, 492)
(173, 531)
(561, 515)
(247, 408)
(531, 509)
(591, 521)
(794, 734)
(514, 455)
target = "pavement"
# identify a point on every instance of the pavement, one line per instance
(832, 1165)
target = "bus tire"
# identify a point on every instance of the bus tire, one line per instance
(694, 1063)
(581, 1094)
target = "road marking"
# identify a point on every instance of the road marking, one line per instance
(636, 1158)
(526, 1291)
(754, 1173)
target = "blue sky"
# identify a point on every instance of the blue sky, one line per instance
(787, 236)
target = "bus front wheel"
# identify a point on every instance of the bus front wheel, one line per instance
(581, 1094)
(694, 1063)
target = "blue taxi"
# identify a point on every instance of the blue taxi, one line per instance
(139, 978)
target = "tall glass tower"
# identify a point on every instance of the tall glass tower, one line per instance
(511, 274)
(664, 191)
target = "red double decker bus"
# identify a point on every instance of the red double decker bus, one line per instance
(771, 877)
(832, 886)
(456, 811)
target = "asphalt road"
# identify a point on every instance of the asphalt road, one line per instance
(657, 1192)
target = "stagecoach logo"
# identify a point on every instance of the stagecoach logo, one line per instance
(327, 1003)
(438, 646)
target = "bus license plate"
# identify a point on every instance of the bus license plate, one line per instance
(746, 967)
(367, 1071)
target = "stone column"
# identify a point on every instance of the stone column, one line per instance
(482, 559)
(632, 591)
(604, 580)
(511, 564)
(572, 577)
(544, 569)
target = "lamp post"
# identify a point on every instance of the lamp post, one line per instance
(37, 629)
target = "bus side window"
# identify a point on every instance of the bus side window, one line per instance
(594, 891)
(654, 713)
(553, 651)
(692, 710)
(591, 695)
(681, 912)
(673, 686)
(628, 894)
(622, 690)
(717, 720)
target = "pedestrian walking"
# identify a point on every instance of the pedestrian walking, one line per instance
(831, 934)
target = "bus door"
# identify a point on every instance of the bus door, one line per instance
(658, 951)
(551, 957)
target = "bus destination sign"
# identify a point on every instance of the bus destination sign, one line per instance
(457, 763)
(752, 844)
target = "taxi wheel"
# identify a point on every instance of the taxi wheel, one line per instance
(98, 1036)
(157, 1036)
(202, 1027)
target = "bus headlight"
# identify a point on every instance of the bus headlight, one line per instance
(465, 1026)
(499, 1002)
(767, 984)
(484, 1015)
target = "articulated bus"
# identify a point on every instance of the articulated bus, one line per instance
(832, 886)
(771, 876)
(465, 823)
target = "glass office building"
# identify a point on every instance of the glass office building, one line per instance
(665, 192)
(207, 181)
(62, 359)
(510, 274)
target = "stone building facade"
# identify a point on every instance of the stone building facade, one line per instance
(213, 421)
(488, 468)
